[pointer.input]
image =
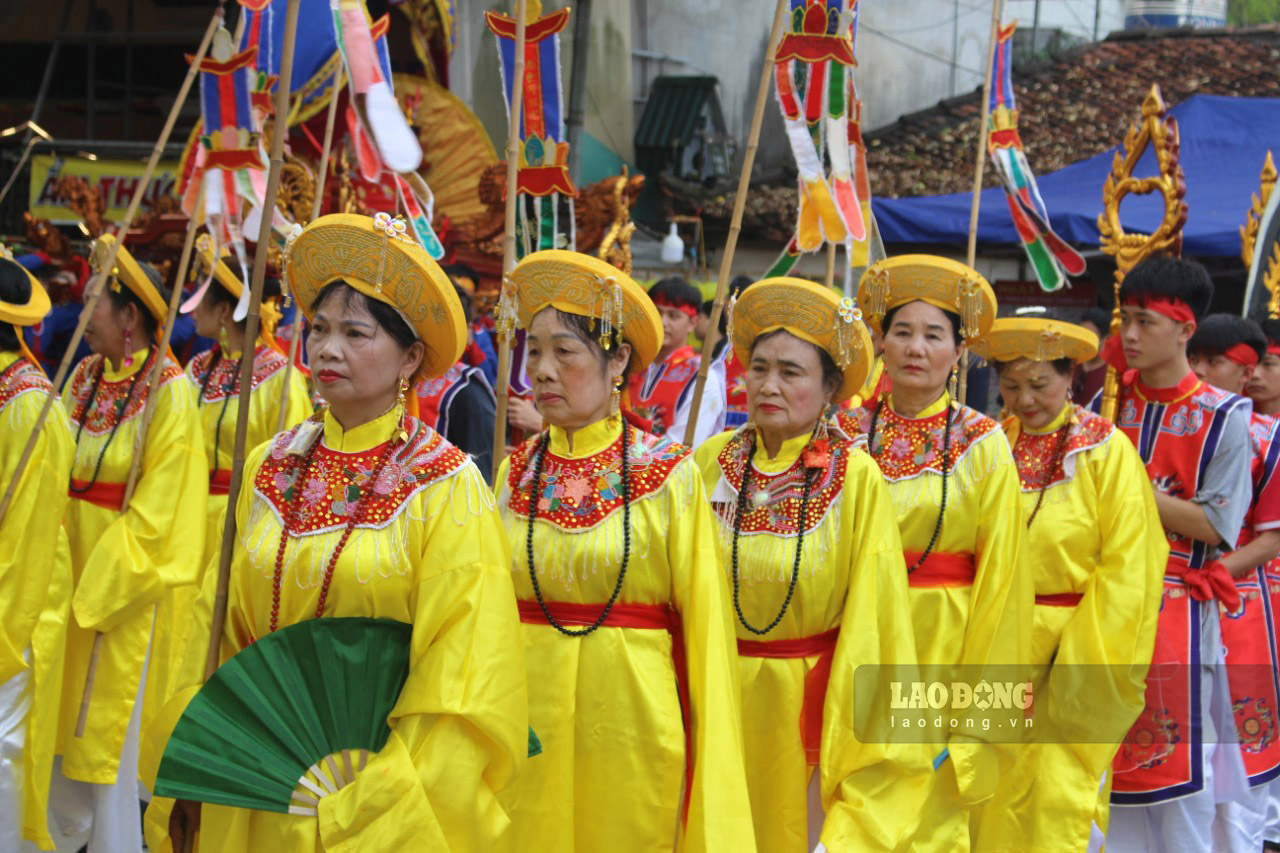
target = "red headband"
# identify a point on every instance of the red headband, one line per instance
(1273, 349)
(1173, 308)
(1242, 354)
(664, 302)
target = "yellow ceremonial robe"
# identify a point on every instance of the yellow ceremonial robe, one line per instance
(35, 573)
(1096, 534)
(127, 566)
(605, 706)
(850, 578)
(987, 622)
(432, 554)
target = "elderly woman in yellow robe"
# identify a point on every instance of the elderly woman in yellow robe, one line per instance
(129, 562)
(1096, 551)
(364, 511)
(810, 543)
(955, 489)
(35, 569)
(632, 671)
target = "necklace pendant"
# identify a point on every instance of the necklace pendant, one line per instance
(759, 498)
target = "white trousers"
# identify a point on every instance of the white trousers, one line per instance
(107, 818)
(15, 704)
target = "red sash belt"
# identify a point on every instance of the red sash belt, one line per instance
(941, 569)
(220, 481)
(1213, 581)
(1060, 599)
(656, 617)
(105, 495)
(815, 680)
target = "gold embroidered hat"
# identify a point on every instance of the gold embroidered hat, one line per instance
(28, 313)
(376, 257)
(947, 284)
(810, 312)
(1036, 338)
(129, 272)
(580, 284)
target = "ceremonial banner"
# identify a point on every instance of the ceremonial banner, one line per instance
(115, 180)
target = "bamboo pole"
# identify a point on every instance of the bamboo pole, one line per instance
(980, 162)
(251, 333)
(94, 291)
(831, 265)
(296, 326)
(90, 304)
(735, 225)
(509, 239)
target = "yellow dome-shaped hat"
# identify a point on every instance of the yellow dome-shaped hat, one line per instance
(129, 272)
(268, 313)
(374, 256)
(942, 282)
(1036, 338)
(810, 312)
(28, 313)
(580, 284)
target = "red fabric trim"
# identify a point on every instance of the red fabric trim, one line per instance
(1243, 354)
(105, 495)
(815, 680)
(209, 65)
(1175, 309)
(1273, 349)
(663, 302)
(1060, 599)
(941, 569)
(657, 617)
(1185, 388)
(220, 482)
(1213, 581)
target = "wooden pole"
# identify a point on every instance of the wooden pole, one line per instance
(831, 265)
(296, 326)
(980, 162)
(735, 225)
(251, 333)
(94, 291)
(91, 303)
(509, 239)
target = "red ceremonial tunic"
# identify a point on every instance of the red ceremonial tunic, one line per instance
(657, 394)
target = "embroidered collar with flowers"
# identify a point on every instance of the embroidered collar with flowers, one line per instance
(19, 378)
(905, 447)
(1041, 465)
(220, 378)
(578, 494)
(110, 402)
(773, 505)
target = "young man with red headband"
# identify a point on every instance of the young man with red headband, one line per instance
(663, 394)
(1263, 386)
(1225, 352)
(1181, 756)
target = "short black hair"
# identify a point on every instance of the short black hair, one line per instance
(1100, 318)
(831, 374)
(461, 271)
(1165, 277)
(1218, 333)
(383, 314)
(676, 291)
(465, 299)
(124, 297)
(952, 316)
(1271, 330)
(15, 288)
(587, 330)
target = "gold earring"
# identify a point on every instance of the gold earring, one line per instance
(953, 384)
(615, 398)
(404, 388)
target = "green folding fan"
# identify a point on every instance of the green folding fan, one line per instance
(291, 718)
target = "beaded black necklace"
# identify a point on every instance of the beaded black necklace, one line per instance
(1048, 476)
(228, 388)
(737, 530)
(121, 407)
(946, 455)
(539, 458)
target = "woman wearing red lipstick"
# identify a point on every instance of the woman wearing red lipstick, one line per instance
(363, 511)
(1095, 549)
(955, 488)
(809, 541)
(632, 671)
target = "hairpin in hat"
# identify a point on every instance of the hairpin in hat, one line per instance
(392, 229)
(846, 335)
(609, 314)
(969, 304)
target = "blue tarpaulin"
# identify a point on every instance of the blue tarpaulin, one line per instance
(1224, 143)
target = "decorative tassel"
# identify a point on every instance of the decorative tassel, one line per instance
(969, 303)
(877, 293)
